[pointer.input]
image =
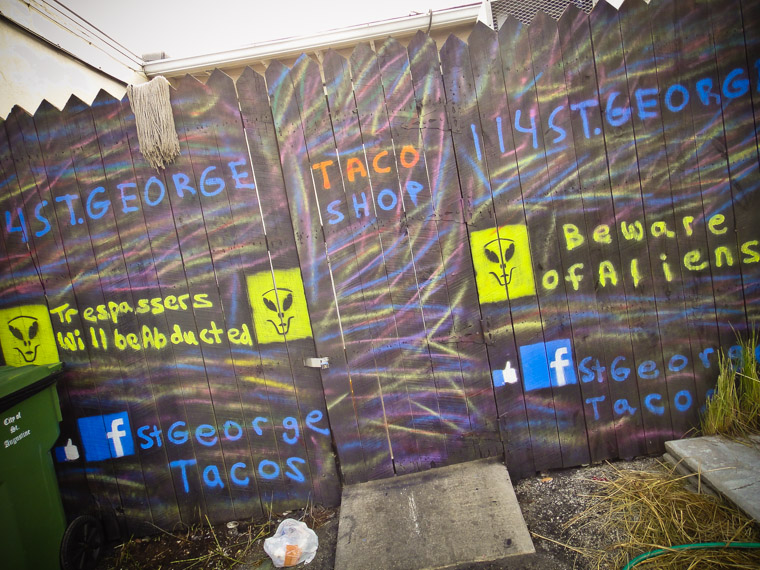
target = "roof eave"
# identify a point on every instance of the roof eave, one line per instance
(293, 47)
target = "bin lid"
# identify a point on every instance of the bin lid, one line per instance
(18, 383)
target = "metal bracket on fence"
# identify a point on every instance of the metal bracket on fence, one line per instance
(322, 362)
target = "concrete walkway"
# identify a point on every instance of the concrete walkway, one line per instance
(444, 518)
(731, 468)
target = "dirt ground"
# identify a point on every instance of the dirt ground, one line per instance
(220, 547)
(550, 504)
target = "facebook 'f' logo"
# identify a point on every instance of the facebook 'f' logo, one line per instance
(547, 364)
(104, 437)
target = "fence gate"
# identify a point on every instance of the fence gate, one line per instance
(387, 271)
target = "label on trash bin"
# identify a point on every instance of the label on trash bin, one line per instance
(14, 430)
(292, 554)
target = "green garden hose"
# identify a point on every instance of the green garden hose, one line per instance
(657, 552)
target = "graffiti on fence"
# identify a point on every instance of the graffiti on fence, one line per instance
(110, 436)
(93, 203)
(503, 267)
(534, 243)
(26, 336)
(279, 313)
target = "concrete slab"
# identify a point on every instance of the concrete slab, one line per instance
(443, 518)
(731, 468)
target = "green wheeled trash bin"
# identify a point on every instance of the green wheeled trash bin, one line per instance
(32, 521)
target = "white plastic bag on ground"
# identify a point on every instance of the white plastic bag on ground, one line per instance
(292, 543)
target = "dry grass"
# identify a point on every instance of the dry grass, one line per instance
(229, 554)
(734, 408)
(652, 510)
(201, 546)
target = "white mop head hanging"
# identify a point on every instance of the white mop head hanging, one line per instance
(156, 133)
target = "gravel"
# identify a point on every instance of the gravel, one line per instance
(552, 502)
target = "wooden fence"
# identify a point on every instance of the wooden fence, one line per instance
(532, 244)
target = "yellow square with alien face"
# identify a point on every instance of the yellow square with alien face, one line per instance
(502, 263)
(26, 336)
(279, 307)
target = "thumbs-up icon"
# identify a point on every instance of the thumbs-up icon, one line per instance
(71, 451)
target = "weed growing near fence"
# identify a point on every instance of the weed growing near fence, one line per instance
(734, 409)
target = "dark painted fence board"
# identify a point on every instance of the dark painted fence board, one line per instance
(24, 294)
(188, 181)
(21, 281)
(365, 278)
(697, 45)
(95, 281)
(446, 203)
(680, 146)
(218, 276)
(444, 187)
(567, 198)
(53, 161)
(476, 378)
(125, 362)
(282, 239)
(404, 122)
(297, 165)
(361, 232)
(311, 250)
(240, 261)
(669, 381)
(507, 210)
(98, 375)
(157, 372)
(429, 266)
(550, 343)
(398, 126)
(751, 27)
(613, 339)
(144, 262)
(617, 132)
(194, 409)
(16, 279)
(739, 127)
(22, 161)
(390, 199)
(307, 385)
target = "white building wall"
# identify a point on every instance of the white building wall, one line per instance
(48, 52)
(31, 70)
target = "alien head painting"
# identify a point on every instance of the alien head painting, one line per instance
(279, 306)
(502, 263)
(26, 336)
